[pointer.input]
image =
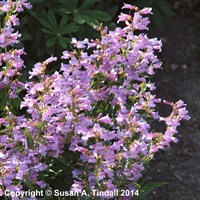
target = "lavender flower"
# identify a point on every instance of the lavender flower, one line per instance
(99, 104)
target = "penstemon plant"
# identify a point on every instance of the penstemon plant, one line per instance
(99, 107)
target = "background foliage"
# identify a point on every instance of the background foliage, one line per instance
(51, 24)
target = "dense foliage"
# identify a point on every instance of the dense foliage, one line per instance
(52, 24)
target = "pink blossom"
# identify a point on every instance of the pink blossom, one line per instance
(49, 60)
(124, 17)
(146, 11)
(129, 7)
(106, 120)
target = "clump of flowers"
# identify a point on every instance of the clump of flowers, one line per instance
(99, 104)
(18, 162)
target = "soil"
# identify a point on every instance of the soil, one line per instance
(179, 165)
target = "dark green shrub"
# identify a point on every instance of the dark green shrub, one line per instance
(51, 24)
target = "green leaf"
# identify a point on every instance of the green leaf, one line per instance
(62, 41)
(46, 24)
(52, 19)
(29, 139)
(16, 103)
(71, 4)
(97, 14)
(63, 22)
(19, 45)
(65, 10)
(70, 28)
(37, 39)
(48, 31)
(33, 14)
(63, 2)
(147, 188)
(87, 3)
(164, 7)
(51, 41)
(78, 18)
(88, 19)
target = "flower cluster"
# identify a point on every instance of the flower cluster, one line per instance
(18, 162)
(100, 105)
(10, 59)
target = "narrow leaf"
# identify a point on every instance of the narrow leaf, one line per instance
(51, 41)
(71, 4)
(70, 28)
(65, 10)
(46, 24)
(29, 139)
(78, 18)
(87, 3)
(62, 41)
(48, 31)
(89, 20)
(97, 14)
(52, 19)
(147, 188)
(63, 22)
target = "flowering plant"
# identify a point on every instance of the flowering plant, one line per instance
(99, 107)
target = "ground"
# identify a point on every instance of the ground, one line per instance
(179, 165)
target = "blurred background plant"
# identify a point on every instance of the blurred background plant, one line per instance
(196, 1)
(51, 24)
